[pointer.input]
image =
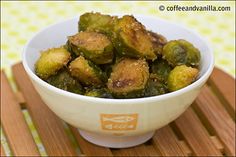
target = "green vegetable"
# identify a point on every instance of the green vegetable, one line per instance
(93, 46)
(65, 81)
(131, 39)
(128, 77)
(181, 76)
(51, 61)
(87, 73)
(97, 22)
(101, 93)
(155, 86)
(158, 42)
(161, 68)
(178, 52)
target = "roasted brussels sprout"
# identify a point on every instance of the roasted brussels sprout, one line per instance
(93, 46)
(181, 76)
(131, 39)
(120, 49)
(161, 68)
(128, 78)
(87, 72)
(51, 61)
(65, 81)
(101, 93)
(178, 52)
(158, 42)
(155, 86)
(97, 22)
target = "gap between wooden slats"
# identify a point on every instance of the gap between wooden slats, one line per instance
(223, 86)
(216, 119)
(89, 149)
(14, 125)
(166, 142)
(49, 126)
(195, 134)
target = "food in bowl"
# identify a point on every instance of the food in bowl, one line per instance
(113, 57)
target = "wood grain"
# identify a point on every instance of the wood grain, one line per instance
(196, 135)
(2, 151)
(20, 98)
(165, 141)
(140, 150)
(88, 148)
(14, 125)
(217, 143)
(224, 86)
(48, 125)
(216, 119)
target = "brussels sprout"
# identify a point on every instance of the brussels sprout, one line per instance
(93, 46)
(128, 78)
(87, 72)
(97, 22)
(158, 41)
(101, 93)
(181, 76)
(178, 52)
(64, 81)
(154, 86)
(131, 39)
(51, 61)
(161, 68)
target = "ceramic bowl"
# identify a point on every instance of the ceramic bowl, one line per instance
(116, 123)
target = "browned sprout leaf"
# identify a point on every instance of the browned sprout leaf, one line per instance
(51, 61)
(86, 72)
(128, 77)
(132, 39)
(93, 46)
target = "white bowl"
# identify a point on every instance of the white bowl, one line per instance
(116, 123)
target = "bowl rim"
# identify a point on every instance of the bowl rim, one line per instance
(195, 84)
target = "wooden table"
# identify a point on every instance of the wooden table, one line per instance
(206, 128)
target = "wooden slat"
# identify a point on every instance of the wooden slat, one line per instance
(166, 142)
(124, 152)
(2, 151)
(88, 148)
(185, 148)
(20, 98)
(196, 135)
(217, 143)
(49, 126)
(216, 118)
(224, 86)
(16, 130)
(152, 151)
(140, 150)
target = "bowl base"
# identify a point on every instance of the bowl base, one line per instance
(115, 141)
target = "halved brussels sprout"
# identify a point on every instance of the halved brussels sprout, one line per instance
(93, 46)
(132, 39)
(87, 72)
(51, 61)
(161, 68)
(158, 41)
(181, 76)
(178, 52)
(65, 81)
(101, 93)
(128, 77)
(155, 86)
(97, 22)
